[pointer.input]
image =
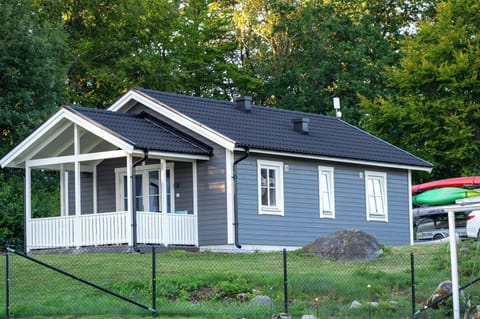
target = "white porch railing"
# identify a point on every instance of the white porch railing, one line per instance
(111, 228)
(168, 229)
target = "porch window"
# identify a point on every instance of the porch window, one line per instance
(148, 188)
(270, 187)
(326, 192)
(376, 196)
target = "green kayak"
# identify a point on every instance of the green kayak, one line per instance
(442, 196)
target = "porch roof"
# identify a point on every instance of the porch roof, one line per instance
(143, 131)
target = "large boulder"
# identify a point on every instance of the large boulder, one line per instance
(347, 245)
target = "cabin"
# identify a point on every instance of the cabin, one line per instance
(175, 170)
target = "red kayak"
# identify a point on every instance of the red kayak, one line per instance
(463, 182)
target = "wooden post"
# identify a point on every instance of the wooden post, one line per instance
(28, 207)
(78, 194)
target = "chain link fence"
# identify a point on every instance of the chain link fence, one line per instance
(234, 285)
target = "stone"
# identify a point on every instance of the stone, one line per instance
(443, 289)
(355, 304)
(309, 317)
(262, 300)
(346, 245)
(373, 304)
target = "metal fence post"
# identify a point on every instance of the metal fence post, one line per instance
(285, 281)
(412, 273)
(154, 282)
(7, 282)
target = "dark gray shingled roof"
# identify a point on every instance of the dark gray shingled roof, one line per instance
(143, 131)
(272, 129)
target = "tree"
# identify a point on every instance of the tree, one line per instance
(435, 112)
(178, 46)
(32, 77)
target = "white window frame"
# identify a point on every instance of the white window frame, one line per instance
(144, 170)
(329, 192)
(276, 209)
(376, 196)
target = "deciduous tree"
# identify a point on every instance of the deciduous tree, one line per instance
(435, 113)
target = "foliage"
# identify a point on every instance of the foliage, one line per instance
(323, 49)
(32, 74)
(435, 113)
(177, 46)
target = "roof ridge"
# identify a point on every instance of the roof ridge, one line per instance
(232, 103)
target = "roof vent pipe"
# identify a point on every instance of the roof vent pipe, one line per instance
(244, 103)
(300, 125)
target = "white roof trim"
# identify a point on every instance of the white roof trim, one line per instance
(174, 115)
(170, 155)
(339, 160)
(35, 137)
(73, 158)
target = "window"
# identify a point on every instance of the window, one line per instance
(376, 196)
(148, 188)
(326, 192)
(270, 187)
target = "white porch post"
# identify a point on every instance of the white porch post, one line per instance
(195, 199)
(78, 195)
(28, 207)
(163, 172)
(63, 212)
(165, 232)
(130, 199)
(95, 200)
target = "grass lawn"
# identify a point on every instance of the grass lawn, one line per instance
(221, 285)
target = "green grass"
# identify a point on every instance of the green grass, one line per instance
(216, 285)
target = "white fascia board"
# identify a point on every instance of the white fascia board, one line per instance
(338, 159)
(174, 115)
(176, 156)
(76, 158)
(8, 159)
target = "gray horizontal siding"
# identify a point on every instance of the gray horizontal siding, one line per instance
(183, 188)
(301, 222)
(212, 200)
(86, 188)
(106, 184)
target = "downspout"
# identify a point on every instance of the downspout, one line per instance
(134, 191)
(235, 197)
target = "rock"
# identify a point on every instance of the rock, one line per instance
(262, 300)
(346, 245)
(281, 316)
(355, 304)
(443, 289)
(309, 317)
(373, 304)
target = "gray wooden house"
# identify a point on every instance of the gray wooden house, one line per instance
(161, 168)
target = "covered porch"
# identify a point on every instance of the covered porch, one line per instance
(111, 191)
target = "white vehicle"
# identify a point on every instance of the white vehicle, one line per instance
(473, 224)
(434, 225)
